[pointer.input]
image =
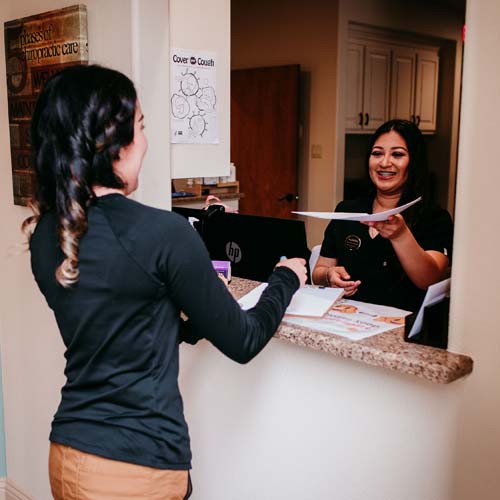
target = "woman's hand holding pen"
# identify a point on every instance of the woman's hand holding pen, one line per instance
(297, 265)
(338, 277)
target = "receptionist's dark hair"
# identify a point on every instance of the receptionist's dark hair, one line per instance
(83, 117)
(418, 174)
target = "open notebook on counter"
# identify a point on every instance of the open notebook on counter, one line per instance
(309, 301)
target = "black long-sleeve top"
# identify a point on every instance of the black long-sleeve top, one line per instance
(139, 267)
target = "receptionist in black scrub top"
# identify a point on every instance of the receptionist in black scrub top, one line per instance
(394, 261)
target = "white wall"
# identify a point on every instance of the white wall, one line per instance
(32, 352)
(150, 72)
(301, 424)
(476, 270)
(202, 25)
(132, 36)
(296, 418)
(4, 194)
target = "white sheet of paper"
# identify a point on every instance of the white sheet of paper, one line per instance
(313, 301)
(434, 294)
(252, 297)
(307, 301)
(360, 216)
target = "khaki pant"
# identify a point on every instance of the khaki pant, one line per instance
(76, 475)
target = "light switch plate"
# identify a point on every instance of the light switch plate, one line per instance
(316, 151)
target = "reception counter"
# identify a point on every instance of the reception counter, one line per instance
(387, 350)
(302, 420)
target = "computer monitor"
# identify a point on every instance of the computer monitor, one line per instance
(253, 244)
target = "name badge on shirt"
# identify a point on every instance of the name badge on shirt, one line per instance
(352, 242)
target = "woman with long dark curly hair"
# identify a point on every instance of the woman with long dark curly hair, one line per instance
(394, 261)
(117, 275)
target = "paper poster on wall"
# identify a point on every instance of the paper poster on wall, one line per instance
(36, 47)
(193, 99)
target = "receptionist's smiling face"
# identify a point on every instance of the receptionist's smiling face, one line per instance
(388, 163)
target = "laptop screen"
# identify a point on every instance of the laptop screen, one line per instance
(253, 244)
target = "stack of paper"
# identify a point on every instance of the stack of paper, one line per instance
(307, 301)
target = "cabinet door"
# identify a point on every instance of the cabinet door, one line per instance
(354, 104)
(376, 86)
(404, 68)
(426, 91)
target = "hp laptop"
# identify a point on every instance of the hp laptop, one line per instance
(254, 244)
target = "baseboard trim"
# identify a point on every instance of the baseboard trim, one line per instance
(9, 490)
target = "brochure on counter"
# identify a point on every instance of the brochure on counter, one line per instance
(360, 216)
(355, 320)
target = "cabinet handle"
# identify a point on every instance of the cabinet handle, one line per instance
(418, 120)
(367, 118)
(360, 119)
(412, 118)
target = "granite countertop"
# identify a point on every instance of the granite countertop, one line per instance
(387, 350)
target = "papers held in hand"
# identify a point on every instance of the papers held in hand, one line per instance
(310, 301)
(360, 216)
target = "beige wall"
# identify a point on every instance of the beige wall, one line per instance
(32, 352)
(476, 269)
(312, 34)
(385, 420)
(132, 36)
(429, 19)
(296, 32)
(204, 26)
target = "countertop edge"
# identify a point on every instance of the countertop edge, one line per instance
(386, 350)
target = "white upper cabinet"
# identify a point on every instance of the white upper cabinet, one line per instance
(426, 90)
(368, 84)
(390, 78)
(355, 69)
(376, 86)
(414, 86)
(404, 71)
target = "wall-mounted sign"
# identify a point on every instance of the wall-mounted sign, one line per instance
(35, 48)
(193, 98)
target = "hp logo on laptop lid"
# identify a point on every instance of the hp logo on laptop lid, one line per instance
(233, 251)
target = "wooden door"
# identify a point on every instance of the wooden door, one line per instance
(264, 138)
(376, 86)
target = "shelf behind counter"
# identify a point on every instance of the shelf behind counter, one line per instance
(201, 199)
(386, 350)
(227, 192)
